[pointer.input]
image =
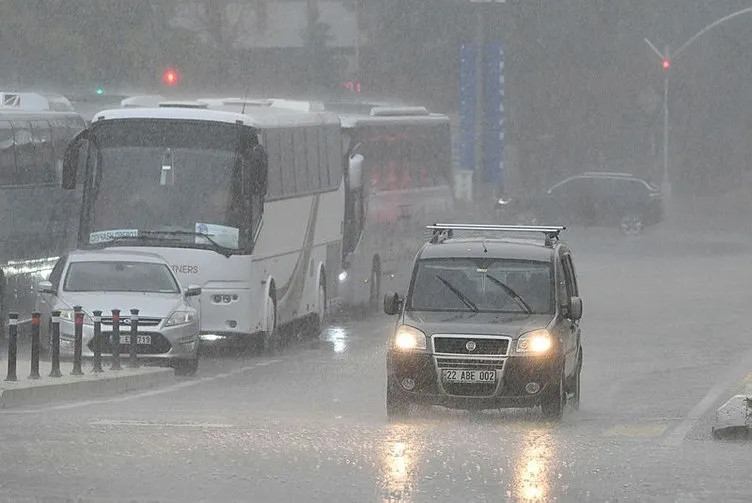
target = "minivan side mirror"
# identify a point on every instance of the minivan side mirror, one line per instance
(45, 287)
(392, 303)
(575, 308)
(193, 291)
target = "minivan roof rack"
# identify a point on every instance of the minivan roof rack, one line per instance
(608, 173)
(443, 231)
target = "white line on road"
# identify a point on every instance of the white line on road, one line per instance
(722, 386)
(127, 422)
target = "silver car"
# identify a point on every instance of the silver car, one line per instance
(168, 318)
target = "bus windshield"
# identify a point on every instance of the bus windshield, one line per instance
(161, 175)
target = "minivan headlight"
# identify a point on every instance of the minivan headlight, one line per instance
(535, 342)
(180, 318)
(408, 338)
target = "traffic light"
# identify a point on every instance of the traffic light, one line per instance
(99, 91)
(666, 64)
(171, 77)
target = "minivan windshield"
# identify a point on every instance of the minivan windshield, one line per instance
(111, 276)
(482, 285)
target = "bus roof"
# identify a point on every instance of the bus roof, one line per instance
(355, 120)
(259, 117)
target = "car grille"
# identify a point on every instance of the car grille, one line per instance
(159, 344)
(457, 344)
(125, 321)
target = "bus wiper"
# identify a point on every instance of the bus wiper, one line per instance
(222, 250)
(469, 303)
(514, 295)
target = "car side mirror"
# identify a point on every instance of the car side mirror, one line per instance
(355, 172)
(45, 287)
(575, 308)
(392, 303)
(193, 291)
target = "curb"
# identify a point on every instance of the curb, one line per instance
(84, 388)
(733, 420)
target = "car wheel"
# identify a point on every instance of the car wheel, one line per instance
(396, 406)
(187, 367)
(374, 296)
(553, 403)
(271, 337)
(631, 224)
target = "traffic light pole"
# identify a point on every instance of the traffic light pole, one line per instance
(666, 186)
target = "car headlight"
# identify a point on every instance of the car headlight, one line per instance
(180, 318)
(70, 315)
(407, 338)
(535, 342)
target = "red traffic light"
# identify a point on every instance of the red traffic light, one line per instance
(666, 64)
(171, 77)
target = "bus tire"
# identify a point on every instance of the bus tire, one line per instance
(316, 320)
(271, 337)
(374, 297)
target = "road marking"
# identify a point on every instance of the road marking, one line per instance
(644, 430)
(722, 386)
(158, 424)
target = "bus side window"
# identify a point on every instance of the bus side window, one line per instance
(25, 157)
(274, 160)
(312, 155)
(287, 165)
(7, 155)
(301, 161)
(334, 148)
(44, 171)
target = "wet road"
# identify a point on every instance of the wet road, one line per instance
(666, 340)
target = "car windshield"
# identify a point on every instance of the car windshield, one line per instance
(482, 285)
(120, 276)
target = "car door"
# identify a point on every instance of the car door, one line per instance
(571, 326)
(571, 201)
(46, 301)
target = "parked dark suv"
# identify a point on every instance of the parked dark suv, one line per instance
(487, 323)
(597, 199)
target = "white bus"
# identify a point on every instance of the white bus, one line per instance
(405, 182)
(37, 218)
(248, 206)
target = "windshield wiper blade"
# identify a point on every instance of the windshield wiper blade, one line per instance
(222, 250)
(514, 295)
(469, 303)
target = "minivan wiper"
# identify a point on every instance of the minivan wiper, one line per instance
(514, 295)
(469, 303)
(222, 250)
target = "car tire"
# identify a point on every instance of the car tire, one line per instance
(554, 400)
(271, 339)
(374, 296)
(631, 223)
(396, 406)
(187, 367)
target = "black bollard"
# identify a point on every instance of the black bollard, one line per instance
(35, 320)
(97, 319)
(12, 346)
(115, 339)
(78, 317)
(133, 361)
(55, 372)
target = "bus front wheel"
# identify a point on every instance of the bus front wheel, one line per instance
(270, 336)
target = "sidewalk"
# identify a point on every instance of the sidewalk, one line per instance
(34, 392)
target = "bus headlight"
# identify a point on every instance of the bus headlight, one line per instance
(408, 338)
(535, 342)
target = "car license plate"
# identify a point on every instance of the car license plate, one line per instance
(469, 376)
(140, 339)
